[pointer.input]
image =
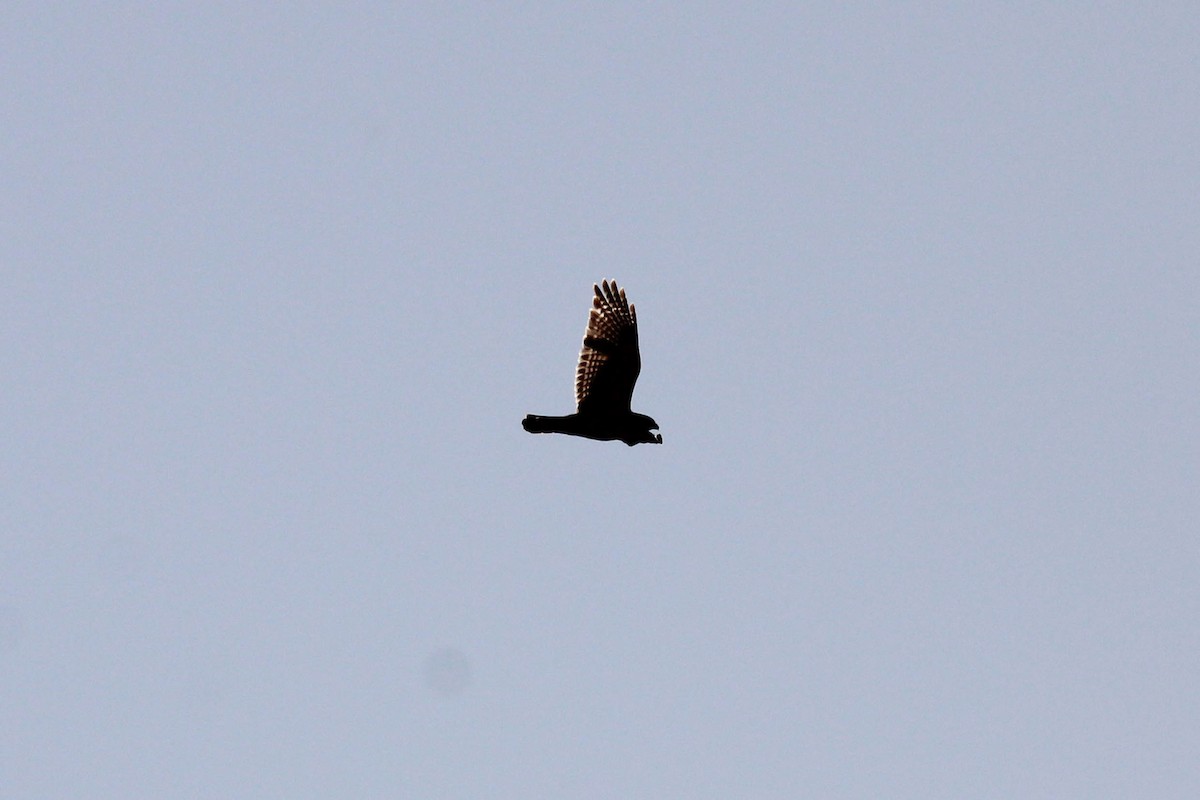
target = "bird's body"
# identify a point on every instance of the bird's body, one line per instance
(609, 364)
(629, 428)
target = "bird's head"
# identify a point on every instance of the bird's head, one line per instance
(641, 431)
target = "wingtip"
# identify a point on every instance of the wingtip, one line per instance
(607, 291)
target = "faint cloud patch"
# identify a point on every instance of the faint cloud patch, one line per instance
(121, 562)
(448, 671)
(12, 630)
(203, 689)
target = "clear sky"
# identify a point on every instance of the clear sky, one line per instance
(919, 296)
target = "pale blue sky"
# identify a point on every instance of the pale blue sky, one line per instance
(919, 296)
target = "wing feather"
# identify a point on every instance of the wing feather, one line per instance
(609, 362)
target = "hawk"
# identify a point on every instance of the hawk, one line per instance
(609, 364)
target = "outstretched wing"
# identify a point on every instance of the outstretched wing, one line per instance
(609, 362)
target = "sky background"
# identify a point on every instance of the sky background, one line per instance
(919, 300)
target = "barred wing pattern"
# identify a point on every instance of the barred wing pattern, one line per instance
(608, 368)
(609, 362)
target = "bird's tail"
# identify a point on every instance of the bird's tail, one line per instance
(535, 423)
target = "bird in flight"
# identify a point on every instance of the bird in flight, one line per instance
(609, 364)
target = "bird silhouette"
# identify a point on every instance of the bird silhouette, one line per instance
(609, 364)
